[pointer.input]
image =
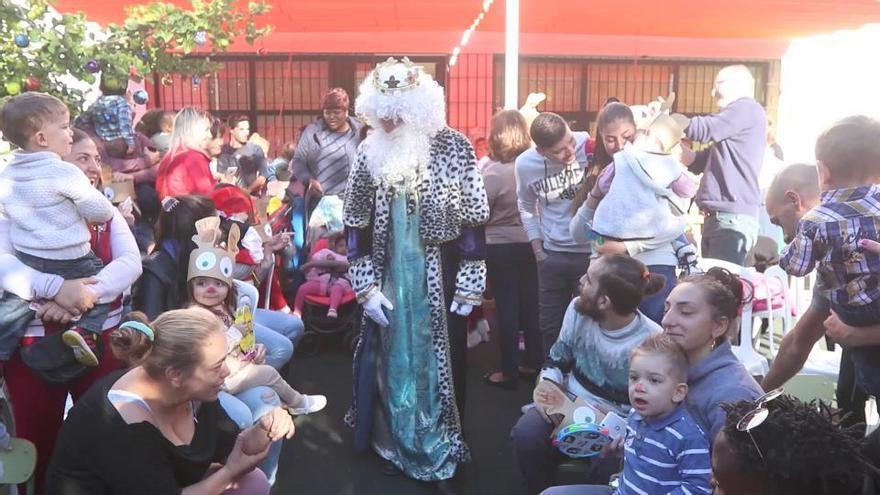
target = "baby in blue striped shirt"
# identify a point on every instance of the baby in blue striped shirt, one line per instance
(664, 449)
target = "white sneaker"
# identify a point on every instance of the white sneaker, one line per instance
(312, 403)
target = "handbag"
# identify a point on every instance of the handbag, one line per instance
(52, 360)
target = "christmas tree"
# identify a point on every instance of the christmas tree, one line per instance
(44, 50)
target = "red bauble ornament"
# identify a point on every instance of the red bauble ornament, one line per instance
(261, 51)
(32, 83)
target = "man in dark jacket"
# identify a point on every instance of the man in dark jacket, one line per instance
(729, 195)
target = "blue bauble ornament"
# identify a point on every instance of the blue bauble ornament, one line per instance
(144, 55)
(200, 38)
(141, 97)
(197, 81)
(22, 40)
(93, 66)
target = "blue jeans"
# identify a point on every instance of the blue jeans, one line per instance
(652, 306)
(298, 224)
(16, 313)
(866, 358)
(729, 236)
(247, 408)
(279, 348)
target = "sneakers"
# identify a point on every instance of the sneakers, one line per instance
(687, 259)
(311, 404)
(85, 345)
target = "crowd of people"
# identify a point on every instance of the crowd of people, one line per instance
(146, 271)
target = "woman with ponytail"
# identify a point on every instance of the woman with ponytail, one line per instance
(591, 358)
(617, 128)
(701, 313)
(158, 426)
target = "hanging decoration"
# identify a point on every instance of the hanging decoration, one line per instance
(141, 97)
(197, 81)
(201, 38)
(167, 80)
(32, 83)
(12, 88)
(155, 37)
(466, 36)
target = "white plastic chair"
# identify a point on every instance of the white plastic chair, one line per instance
(771, 313)
(821, 361)
(756, 364)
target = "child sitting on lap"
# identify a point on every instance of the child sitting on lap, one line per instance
(211, 287)
(664, 450)
(49, 204)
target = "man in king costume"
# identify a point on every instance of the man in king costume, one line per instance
(414, 213)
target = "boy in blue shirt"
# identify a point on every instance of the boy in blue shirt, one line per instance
(664, 451)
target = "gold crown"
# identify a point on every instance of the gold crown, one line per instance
(396, 75)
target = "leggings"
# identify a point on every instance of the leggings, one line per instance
(313, 288)
(254, 375)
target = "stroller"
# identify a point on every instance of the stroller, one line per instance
(319, 328)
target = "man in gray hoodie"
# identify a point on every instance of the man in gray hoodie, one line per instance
(547, 178)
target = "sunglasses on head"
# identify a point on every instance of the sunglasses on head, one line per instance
(757, 416)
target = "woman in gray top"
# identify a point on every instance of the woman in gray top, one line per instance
(509, 259)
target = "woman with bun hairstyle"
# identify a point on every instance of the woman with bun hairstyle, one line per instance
(702, 311)
(158, 427)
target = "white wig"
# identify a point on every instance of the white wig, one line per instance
(420, 104)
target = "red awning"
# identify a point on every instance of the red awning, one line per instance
(547, 26)
(687, 18)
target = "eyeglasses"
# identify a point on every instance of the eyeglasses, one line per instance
(757, 416)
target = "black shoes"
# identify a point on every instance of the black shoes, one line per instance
(444, 487)
(389, 469)
(506, 383)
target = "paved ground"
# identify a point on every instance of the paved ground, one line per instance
(319, 460)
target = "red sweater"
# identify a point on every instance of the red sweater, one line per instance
(187, 172)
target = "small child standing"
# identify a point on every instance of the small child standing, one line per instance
(829, 236)
(211, 286)
(664, 450)
(326, 274)
(49, 204)
(111, 117)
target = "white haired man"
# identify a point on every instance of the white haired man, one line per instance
(414, 210)
(729, 195)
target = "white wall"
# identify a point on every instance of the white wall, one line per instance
(825, 78)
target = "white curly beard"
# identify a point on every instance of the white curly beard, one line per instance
(399, 157)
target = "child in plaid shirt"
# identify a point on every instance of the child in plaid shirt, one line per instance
(111, 118)
(828, 236)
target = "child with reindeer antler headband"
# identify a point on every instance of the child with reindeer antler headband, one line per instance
(210, 286)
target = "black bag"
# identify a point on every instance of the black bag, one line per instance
(52, 360)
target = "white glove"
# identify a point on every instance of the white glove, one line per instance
(373, 308)
(461, 309)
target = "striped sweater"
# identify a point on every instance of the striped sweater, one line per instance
(668, 455)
